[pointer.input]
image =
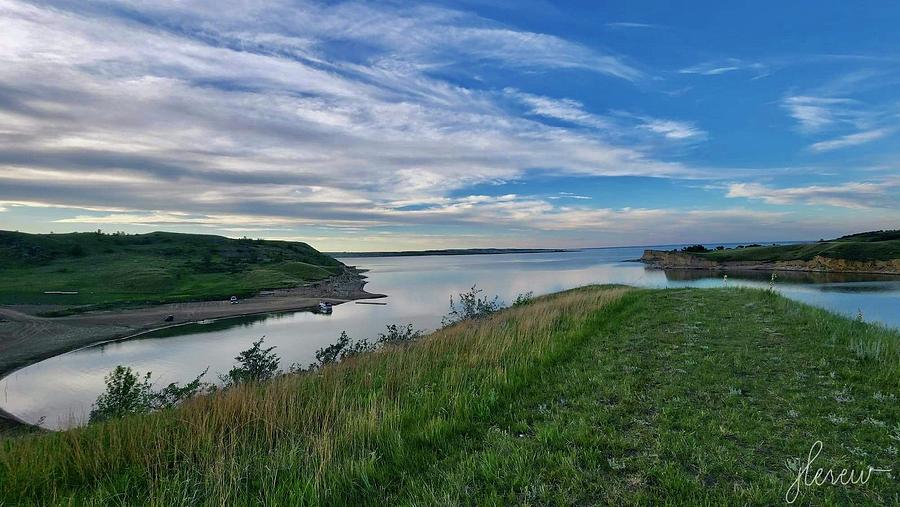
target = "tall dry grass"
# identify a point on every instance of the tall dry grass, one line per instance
(336, 435)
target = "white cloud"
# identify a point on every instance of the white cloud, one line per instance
(817, 113)
(628, 24)
(675, 130)
(884, 194)
(572, 111)
(245, 116)
(232, 109)
(728, 65)
(560, 109)
(850, 140)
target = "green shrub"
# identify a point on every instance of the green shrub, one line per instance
(470, 306)
(127, 392)
(256, 364)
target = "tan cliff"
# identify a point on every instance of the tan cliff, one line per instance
(680, 260)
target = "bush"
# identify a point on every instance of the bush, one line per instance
(174, 394)
(129, 393)
(471, 306)
(256, 364)
(695, 249)
(346, 348)
(524, 299)
(126, 393)
(342, 349)
(356, 348)
(332, 353)
(399, 334)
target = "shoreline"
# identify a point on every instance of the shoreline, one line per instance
(660, 259)
(765, 267)
(26, 339)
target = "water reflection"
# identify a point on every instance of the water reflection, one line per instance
(418, 290)
(791, 277)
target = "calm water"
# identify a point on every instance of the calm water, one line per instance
(61, 389)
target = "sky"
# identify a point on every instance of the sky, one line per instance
(398, 125)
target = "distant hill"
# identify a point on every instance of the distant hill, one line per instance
(451, 251)
(872, 236)
(864, 246)
(155, 267)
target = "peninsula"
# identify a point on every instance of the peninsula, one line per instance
(867, 252)
(59, 292)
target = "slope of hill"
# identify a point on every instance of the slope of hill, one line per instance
(103, 269)
(593, 396)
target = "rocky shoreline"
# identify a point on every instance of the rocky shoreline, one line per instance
(662, 259)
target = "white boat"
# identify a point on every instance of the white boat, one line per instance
(324, 307)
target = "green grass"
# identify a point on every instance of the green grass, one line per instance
(591, 396)
(880, 246)
(159, 267)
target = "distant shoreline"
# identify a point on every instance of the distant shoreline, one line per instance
(450, 251)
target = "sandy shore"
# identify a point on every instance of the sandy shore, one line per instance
(26, 338)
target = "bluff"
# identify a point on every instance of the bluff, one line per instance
(682, 260)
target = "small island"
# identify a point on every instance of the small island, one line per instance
(868, 252)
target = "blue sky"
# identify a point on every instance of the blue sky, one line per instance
(384, 126)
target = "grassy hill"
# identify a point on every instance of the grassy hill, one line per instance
(157, 267)
(866, 246)
(592, 396)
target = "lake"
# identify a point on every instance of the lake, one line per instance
(58, 392)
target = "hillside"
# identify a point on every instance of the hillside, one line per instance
(107, 269)
(595, 396)
(867, 246)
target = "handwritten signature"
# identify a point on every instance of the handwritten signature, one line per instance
(821, 476)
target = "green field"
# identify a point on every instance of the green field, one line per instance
(108, 269)
(597, 395)
(867, 246)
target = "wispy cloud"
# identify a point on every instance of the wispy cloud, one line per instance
(617, 124)
(630, 24)
(232, 110)
(676, 130)
(725, 66)
(850, 140)
(351, 117)
(884, 194)
(569, 195)
(836, 115)
(560, 109)
(817, 113)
